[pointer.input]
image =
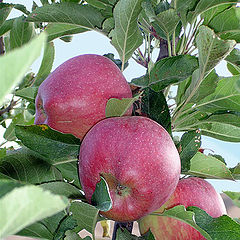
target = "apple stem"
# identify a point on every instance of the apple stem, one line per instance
(121, 225)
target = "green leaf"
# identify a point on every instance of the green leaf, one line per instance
(167, 21)
(25, 166)
(36, 230)
(118, 62)
(218, 228)
(233, 69)
(68, 223)
(209, 167)
(124, 234)
(6, 26)
(235, 196)
(52, 145)
(63, 188)
(58, 149)
(86, 216)
(180, 213)
(236, 172)
(5, 10)
(71, 235)
(15, 64)
(155, 106)
(26, 205)
(3, 152)
(126, 35)
(83, 16)
(56, 30)
(7, 185)
(101, 197)
(46, 64)
(234, 57)
(21, 33)
(189, 145)
(205, 5)
(118, 107)
(28, 93)
(168, 71)
(227, 24)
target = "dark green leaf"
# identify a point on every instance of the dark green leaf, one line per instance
(86, 216)
(218, 228)
(71, 235)
(83, 16)
(126, 36)
(124, 234)
(46, 64)
(6, 26)
(25, 166)
(36, 230)
(21, 8)
(235, 196)
(68, 223)
(21, 32)
(63, 188)
(233, 69)
(118, 62)
(5, 10)
(236, 172)
(7, 185)
(154, 105)
(168, 71)
(189, 145)
(101, 197)
(234, 57)
(227, 24)
(3, 152)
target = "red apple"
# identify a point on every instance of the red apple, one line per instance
(189, 192)
(137, 158)
(73, 97)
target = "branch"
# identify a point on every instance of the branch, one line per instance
(8, 108)
(117, 225)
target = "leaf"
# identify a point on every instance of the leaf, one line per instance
(3, 152)
(7, 185)
(46, 64)
(101, 197)
(217, 228)
(167, 21)
(26, 205)
(234, 57)
(126, 35)
(233, 69)
(155, 106)
(52, 145)
(118, 107)
(236, 172)
(227, 24)
(211, 51)
(5, 10)
(180, 213)
(28, 93)
(205, 5)
(168, 71)
(16, 63)
(189, 145)
(86, 216)
(63, 188)
(124, 234)
(6, 26)
(80, 15)
(235, 196)
(21, 32)
(56, 30)
(118, 62)
(209, 167)
(58, 149)
(71, 235)
(68, 223)
(25, 166)
(36, 230)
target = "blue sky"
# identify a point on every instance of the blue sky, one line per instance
(93, 42)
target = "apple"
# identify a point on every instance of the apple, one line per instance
(137, 158)
(191, 191)
(74, 96)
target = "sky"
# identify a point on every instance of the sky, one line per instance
(96, 43)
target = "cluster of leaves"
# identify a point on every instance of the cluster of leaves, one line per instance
(192, 37)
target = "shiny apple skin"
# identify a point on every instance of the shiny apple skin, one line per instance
(74, 96)
(137, 158)
(191, 191)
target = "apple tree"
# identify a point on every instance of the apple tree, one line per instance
(179, 44)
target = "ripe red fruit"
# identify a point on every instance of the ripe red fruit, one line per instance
(137, 158)
(189, 192)
(73, 97)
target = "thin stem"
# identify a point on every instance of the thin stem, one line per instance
(3, 143)
(174, 43)
(182, 42)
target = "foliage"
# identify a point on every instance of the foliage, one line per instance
(39, 186)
